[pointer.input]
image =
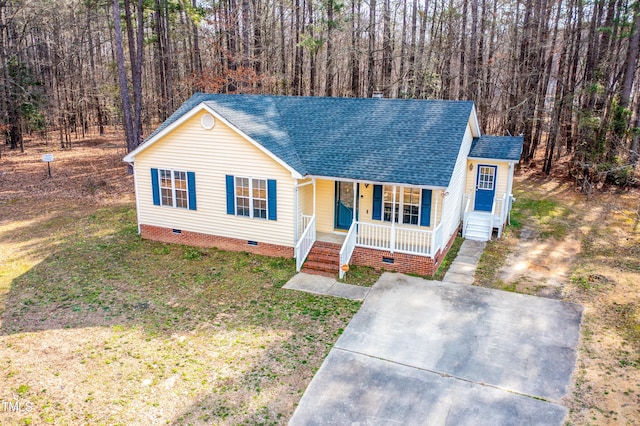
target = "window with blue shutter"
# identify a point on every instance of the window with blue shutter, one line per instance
(376, 212)
(173, 188)
(252, 197)
(425, 208)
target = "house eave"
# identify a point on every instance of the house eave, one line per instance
(366, 181)
(492, 159)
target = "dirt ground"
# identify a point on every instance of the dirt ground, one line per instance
(584, 251)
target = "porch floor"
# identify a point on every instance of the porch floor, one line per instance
(328, 237)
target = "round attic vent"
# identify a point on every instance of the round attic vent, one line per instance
(207, 121)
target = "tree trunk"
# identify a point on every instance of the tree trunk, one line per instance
(371, 60)
(122, 79)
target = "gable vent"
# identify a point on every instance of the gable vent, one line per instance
(207, 121)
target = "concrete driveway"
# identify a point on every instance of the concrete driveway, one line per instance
(427, 352)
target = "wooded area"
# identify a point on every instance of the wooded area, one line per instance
(561, 72)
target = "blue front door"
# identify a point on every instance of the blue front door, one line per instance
(344, 205)
(485, 187)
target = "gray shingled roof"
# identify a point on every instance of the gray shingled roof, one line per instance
(380, 140)
(497, 147)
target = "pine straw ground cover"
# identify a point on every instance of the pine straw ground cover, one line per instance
(562, 245)
(98, 326)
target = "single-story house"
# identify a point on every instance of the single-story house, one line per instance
(386, 183)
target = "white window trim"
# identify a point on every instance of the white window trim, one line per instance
(266, 199)
(173, 188)
(398, 192)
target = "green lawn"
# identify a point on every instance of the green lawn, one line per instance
(102, 327)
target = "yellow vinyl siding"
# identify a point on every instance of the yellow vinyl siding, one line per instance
(325, 205)
(502, 177)
(212, 154)
(305, 198)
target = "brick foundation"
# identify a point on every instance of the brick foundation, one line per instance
(166, 235)
(402, 262)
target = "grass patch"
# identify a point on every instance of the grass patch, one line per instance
(448, 260)
(492, 259)
(550, 217)
(177, 333)
(361, 275)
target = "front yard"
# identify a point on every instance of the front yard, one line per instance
(101, 327)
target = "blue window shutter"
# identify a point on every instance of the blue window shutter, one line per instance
(272, 199)
(376, 213)
(191, 185)
(231, 201)
(425, 208)
(155, 187)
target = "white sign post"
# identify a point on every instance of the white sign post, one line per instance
(48, 158)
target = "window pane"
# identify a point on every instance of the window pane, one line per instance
(181, 199)
(242, 187)
(243, 206)
(387, 212)
(259, 188)
(388, 193)
(180, 179)
(167, 197)
(260, 209)
(165, 178)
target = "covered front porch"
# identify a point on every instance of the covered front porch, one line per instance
(348, 214)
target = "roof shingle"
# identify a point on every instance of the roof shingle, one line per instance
(497, 147)
(380, 140)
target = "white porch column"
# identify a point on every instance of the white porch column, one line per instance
(296, 223)
(355, 200)
(314, 196)
(393, 218)
(435, 217)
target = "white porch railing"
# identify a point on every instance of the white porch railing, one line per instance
(499, 212)
(467, 210)
(438, 240)
(397, 239)
(304, 222)
(303, 247)
(347, 247)
(374, 236)
(413, 241)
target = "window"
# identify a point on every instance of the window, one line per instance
(251, 197)
(407, 201)
(173, 188)
(259, 192)
(242, 197)
(486, 177)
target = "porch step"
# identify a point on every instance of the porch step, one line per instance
(323, 259)
(478, 227)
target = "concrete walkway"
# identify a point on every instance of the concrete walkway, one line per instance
(461, 271)
(463, 268)
(326, 286)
